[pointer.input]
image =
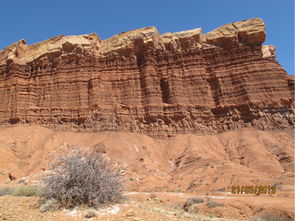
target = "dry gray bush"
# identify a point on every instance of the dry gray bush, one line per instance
(191, 201)
(82, 178)
(212, 204)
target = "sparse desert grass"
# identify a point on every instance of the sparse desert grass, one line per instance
(270, 217)
(6, 191)
(278, 185)
(176, 210)
(26, 191)
(20, 191)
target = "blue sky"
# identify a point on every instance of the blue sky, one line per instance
(36, 20)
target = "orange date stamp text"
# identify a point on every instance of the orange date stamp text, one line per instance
(254, 189)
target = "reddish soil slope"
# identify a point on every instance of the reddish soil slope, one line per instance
(190, 163)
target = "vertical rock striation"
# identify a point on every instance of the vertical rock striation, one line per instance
(142, 81)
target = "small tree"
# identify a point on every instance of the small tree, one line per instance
(82, 177)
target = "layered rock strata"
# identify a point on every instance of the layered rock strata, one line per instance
(142, 81)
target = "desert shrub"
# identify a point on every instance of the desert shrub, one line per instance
(26, 191)
(193, 185)
(192, 200)
(222, 189)
(6, 191)
(278, 184)
(212, 204)
(270, 217)
(82, 177)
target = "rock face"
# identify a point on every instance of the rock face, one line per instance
(142, 81)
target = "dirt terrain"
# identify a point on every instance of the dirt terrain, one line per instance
(154, 206)
(185, 163)
(175, 168)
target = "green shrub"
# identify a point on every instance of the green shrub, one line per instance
(26, 191)
(6, 191)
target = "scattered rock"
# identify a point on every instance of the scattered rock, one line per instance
(89, 213)
(152, 196)
(11, 177)
(137, 219)
(193, 208)
(21, 180)
(130, 213)
(49, 205)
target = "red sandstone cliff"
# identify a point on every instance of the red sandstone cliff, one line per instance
(145, 82)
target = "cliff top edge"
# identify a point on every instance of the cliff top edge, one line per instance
(246, 32)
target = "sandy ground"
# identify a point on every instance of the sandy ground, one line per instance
(154, 207)
(26, 208)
